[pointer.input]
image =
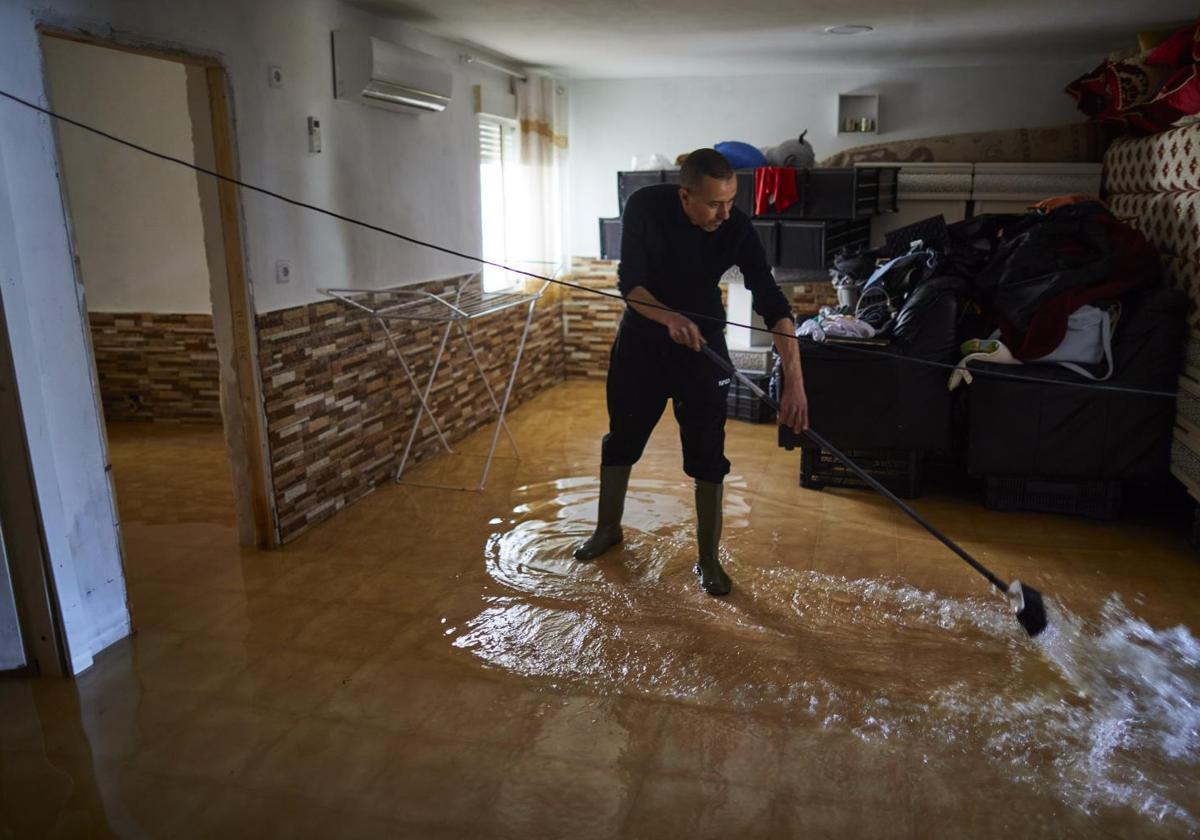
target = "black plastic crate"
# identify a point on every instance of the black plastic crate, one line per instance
(610, 239)
(743, 404)
(1092, 499)
(900, 471)
(630, 182)
(812, 245)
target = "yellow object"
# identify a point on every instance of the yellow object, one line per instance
(1151, 38)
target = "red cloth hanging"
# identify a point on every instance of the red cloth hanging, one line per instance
(774, 185)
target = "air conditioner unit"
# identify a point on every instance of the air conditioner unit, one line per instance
(374, 72)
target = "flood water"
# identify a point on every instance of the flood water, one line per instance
(1101, 712)
(430, 665)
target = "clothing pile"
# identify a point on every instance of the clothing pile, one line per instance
(829, 322)
(1043, 286)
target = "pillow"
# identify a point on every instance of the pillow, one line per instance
(1181, 48)
(741, 155)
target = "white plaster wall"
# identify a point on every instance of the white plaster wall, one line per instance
(136, 220)
(613, 119)
(414, 173)
(418, 173)
(44, 308)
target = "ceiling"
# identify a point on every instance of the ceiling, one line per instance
(664, 38)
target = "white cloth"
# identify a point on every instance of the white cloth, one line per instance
(989, 350)
(835, 326)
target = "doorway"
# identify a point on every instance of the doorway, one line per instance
(158, 254)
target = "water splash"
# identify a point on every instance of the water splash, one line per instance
(1104, 710)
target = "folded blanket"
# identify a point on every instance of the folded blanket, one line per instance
(835, 326)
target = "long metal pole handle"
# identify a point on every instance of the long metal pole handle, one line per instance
(871, 481)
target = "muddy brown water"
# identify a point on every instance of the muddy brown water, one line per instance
(1101, 713)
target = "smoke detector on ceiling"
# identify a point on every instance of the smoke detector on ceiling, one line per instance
(848, 29)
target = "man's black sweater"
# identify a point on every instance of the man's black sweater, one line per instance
(681, 264)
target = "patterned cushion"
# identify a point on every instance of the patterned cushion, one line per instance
(1160, 163)
(1185, 275)
(1171, 221)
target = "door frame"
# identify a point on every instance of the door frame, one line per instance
(21, 530)
(244, 423)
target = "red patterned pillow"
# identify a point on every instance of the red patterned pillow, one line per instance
(1181, 48)
(1148, 93)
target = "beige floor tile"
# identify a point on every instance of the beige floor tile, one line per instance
(325, 689)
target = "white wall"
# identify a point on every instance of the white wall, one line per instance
(613, 119)
(418, 173)
(137, 221)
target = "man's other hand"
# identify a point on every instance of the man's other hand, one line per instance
(793, 410)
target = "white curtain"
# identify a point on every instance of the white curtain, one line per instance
(537, 231)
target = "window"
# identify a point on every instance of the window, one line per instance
(497, 173)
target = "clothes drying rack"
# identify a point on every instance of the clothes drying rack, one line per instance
(466, 302)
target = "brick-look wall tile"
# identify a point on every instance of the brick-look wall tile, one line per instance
(808, 298)
(590, 321)
(156, 367)
(339, 408)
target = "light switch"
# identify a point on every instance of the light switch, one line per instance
(283, 271)
(314, 135)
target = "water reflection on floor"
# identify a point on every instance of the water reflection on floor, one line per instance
(432, 664)
(1105, 711)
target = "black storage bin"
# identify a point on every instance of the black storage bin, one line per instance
(802, 245)
(768, 234)
(888, 198)
(610, 239)
(743, 404)
(744, 200)
(865, 397)
(812, 245)
(1093, 499)
(833, 194)
(630, 182)
(899, 470)
(860, 399)
(1046, 429)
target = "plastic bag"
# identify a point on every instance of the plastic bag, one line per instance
(651, 161)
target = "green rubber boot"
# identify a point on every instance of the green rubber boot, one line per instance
(708, 538)
(613, 483)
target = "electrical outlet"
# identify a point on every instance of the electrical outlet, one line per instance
(314, 135)
(275, 76)
(283, 271)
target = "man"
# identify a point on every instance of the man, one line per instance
(676, 243)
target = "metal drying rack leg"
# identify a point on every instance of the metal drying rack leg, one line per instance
(424, 399)
(425, 306)
(466, 334)
(503, 407)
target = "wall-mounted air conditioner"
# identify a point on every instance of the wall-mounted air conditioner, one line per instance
(384, 75)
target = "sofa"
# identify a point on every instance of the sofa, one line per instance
(1154, 182)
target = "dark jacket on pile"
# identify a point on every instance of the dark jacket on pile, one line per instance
(1048, 266)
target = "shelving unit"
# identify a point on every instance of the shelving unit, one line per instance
(856, 106)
